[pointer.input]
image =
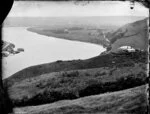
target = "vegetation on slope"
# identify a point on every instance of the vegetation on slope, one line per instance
(61, 80)
(74, 33)
(55, 86)
(130, 101)
(120, 59)
(132, 34)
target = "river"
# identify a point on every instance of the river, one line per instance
(41, 49)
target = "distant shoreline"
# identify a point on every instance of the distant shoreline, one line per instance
(65, 37)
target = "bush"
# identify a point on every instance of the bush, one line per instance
(43, 98)
(59, 61)
(122, 83)
(100, 74)
(71, 74)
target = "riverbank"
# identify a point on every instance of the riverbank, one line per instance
(132, 34)
(38, 46)
(94, 36)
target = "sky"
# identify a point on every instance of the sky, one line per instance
(95, 8)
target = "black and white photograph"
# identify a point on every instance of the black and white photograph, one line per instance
(76, 57)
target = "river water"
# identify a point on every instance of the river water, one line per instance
(41, 49)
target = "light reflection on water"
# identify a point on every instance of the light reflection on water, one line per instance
(41, 49)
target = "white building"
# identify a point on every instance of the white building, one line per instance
(129, 48)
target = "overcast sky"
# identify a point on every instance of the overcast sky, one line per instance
(97, 8)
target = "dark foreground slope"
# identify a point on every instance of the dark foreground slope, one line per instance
(119, 71)
(130, 101)
(57, 86)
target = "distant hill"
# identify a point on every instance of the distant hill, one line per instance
(132, 34)
(94, 21)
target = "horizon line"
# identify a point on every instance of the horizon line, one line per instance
(80, 16)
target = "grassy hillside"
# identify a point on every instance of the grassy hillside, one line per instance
(130, 101)
(133, 34)
(56, 22)
(82, 79)
(92, 35)
(56, 81)
(53, 87)
(120, 59)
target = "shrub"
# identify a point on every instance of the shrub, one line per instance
(100, 74)
(59, 61)
(122, 83)
(71, 74)
(45, 97)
